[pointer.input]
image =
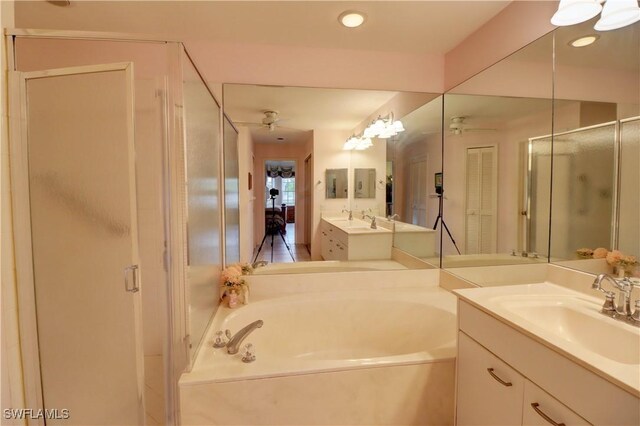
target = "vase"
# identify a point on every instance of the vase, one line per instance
(232, 300)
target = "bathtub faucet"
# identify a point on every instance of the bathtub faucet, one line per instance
(234, 343)
(259, 263)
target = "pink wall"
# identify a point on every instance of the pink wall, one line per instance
(517, 25)
(317, 67)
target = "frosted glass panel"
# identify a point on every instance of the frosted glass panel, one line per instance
(629, 220)
(583, 176)
(84, 236)
(202, 125)
(231, 195)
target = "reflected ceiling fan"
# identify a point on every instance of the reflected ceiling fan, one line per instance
(269, 122)
(458, 126)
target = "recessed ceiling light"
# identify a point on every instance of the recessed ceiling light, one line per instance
(584, 41)
(351, 19)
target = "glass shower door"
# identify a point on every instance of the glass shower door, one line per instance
(79, 148)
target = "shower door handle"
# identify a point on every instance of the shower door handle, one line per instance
(133, 269)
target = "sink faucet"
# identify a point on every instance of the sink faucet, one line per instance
(350, 213)
(373, 221)
(393, 217)
(259, 263)
(622, 310)
(234, 343)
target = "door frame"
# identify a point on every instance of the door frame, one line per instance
(21, 215)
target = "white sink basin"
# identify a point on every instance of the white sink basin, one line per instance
(578, 321)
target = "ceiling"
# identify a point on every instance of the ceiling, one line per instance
(422, 27)
(300, 109)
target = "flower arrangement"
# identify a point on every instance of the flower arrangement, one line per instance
(233, 286)
(625, 264)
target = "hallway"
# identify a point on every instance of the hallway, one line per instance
(280, 253)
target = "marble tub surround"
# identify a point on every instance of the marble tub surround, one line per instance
(569, 323)
(375, 347)
(420, 394)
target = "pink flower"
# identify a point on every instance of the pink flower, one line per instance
(600, 253)
(613, 258)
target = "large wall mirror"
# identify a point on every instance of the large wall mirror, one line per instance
(542, 165)
(596, 150)
(340, 178)
(497, 170)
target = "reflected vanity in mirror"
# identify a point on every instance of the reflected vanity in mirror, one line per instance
(364, 183)
(336, 183)
(351, 202)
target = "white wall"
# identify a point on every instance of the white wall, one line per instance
(327, 154)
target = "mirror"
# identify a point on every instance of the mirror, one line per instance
(336, 183)
(596, 155)
(310, 128)
(497, 168)
(364, 183)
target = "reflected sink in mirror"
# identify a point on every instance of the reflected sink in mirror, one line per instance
(578, 321)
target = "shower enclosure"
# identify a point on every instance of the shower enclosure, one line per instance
(593, 169)
(116, 151)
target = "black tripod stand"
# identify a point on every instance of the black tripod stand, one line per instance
(444, 225)
(271, 228)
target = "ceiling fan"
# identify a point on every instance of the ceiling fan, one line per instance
(458, 126)
(269, 121)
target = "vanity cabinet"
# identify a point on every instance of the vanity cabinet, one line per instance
(507, 377)
(354, 241)
(490, 392)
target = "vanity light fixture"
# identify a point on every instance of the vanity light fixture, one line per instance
(351, 18)
(584, 41)
(615, 13)
(382, 128)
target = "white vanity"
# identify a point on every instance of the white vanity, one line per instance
(354, 239)
(541, 354)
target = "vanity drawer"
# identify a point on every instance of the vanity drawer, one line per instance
(489, 392)
(548, 406)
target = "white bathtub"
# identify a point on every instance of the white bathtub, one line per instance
(394, 347)
(312, 267)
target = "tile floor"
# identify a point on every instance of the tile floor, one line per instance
(154, 389)
(280, 253)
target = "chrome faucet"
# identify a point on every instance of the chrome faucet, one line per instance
(374, 225)
(621, 310)
(393, 217)
(234, 343)
(350, 213)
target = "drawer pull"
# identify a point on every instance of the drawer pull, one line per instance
(541, 413)
(502, 382)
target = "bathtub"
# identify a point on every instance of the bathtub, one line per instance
(376, 356)
(312, 267)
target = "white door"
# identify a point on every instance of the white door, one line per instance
(73, 162)
(481, 201)
(418, 185)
